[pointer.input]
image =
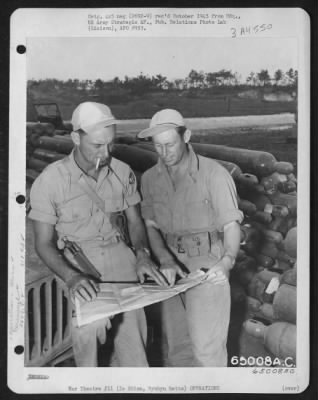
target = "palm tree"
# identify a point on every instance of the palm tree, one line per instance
(264, 76)
(194, 78)
(252, 78)
(278, 76)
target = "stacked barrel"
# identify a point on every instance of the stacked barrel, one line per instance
(266, 265)
(264, 276)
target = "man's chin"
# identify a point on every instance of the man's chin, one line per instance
(105, 162)
(169, 163)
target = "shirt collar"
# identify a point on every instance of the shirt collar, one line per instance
(193, 164)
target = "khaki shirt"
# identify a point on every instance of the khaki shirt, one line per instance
(57, 198)
(204, 201)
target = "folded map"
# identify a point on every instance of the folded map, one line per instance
(115, 298)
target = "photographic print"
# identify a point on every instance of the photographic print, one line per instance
(159, 201)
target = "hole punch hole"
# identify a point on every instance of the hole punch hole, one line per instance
(20, 199)
(21, 49)
(19, 350)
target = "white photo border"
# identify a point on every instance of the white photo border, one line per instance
(26, 23)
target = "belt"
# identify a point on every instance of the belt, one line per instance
(104, 241)
(100, 239)
(194, 244)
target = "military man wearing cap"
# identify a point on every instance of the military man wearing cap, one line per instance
(77, 198)
(190, 209)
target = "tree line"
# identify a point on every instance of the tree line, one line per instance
(195, 80)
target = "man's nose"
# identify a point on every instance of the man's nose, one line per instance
(105, 150)
(163, 151)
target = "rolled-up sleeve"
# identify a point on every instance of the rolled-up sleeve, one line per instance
(42, 204)
(224, 198)
(146, 203)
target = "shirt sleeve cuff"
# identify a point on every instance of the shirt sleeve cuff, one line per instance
(42, 217)
(133, 199)
(147, 213)
(234, 215)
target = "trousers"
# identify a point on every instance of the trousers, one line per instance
(116, 262)
(195, 327)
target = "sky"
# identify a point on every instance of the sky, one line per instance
(105, 58)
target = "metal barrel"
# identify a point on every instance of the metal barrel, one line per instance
(138, 159)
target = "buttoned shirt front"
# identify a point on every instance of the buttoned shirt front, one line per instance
(57, 198)
(205, 200)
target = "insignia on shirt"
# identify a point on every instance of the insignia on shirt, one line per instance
(132, 178)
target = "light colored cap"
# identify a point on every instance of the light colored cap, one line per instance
(163, 121)
(92, 117)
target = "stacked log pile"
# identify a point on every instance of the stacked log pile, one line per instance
(265, 270)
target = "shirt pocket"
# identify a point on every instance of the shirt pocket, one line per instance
(114, 203)
(199, 215)
(75, 210)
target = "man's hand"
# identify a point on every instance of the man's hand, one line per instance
(82, 287)
(101, 326)
(170, 269)
(219, 273)
(145, 266)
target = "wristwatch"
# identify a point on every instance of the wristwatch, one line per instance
(145, 250)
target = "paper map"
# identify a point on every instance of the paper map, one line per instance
(116, 298)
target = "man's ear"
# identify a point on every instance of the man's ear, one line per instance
(187, 135)
(76, 138)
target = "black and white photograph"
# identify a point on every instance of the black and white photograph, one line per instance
(163, 246)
